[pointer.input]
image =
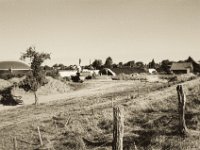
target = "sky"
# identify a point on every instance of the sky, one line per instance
(126, 30)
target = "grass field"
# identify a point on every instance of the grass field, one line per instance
(82, 119)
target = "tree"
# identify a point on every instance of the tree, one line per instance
(165, 66)
(108, 62)
(97, 63)
(152, 64)
(140, 64)
(115, 65)
(55, 66)
(130, 63)
(61, 67)
(36, 78)
(120, 64)
(46, 67)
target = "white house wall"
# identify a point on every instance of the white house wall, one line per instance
(67, 73)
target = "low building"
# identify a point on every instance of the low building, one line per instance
(182, 68)
(152, 71)
(107, 71)
(83, 72)
(13, 68)
(67, 73)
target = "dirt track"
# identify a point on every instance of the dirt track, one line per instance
(102, 95)
(87, 107)
(91, 88)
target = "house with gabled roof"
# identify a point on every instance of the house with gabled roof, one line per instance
(182, 67)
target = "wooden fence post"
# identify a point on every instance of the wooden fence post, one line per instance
(181, 110)
(15, 143)
(118, 128)
(138, 91)
(112, 102)
(40, 137)
(199, 89)
(2, 144)
(148, 90)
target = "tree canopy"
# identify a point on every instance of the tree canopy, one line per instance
(97, 63)
(36, 78)
(108, 62)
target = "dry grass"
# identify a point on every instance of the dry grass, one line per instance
(156, 78)
(122, 76)
(4, 84)
(86, 122)
(53, 86)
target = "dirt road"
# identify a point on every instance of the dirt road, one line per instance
(100, 95)
(87, 107)
(90, 88)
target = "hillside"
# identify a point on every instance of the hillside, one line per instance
(84, 120)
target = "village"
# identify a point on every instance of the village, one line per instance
(99, 75)
(70, 107)
(10, 69)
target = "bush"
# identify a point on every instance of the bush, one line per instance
(106, 125)
(88, 77)
(66, 79)
(178, 78)
(7, 76)
(53, 73)
(123, 76)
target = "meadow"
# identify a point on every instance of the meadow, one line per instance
(82, 118)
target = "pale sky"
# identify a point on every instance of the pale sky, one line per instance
(123, 29)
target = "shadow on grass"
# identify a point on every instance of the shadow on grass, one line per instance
(7, 97)
(144, 140)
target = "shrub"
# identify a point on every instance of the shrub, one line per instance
(123, 76)
(106, 125)
(7, 76)
(88, 77)
(53, 73)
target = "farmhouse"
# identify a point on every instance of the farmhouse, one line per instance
(13, 68)
(196, 65)
(182, 68)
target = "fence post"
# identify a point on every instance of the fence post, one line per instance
(15, 143)
(2, 144)
(118, 128)
(199, 89)
(181, 110)
(148, 90)
(40, 137)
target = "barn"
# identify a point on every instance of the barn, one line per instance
(182, 68)
(8, 68)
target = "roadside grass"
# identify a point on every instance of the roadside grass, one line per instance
(156, 77)
(69, 125)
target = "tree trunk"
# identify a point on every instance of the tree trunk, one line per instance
(181, 109)
(118, 128)
(36, 98)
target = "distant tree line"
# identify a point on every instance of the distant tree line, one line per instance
(163, 66)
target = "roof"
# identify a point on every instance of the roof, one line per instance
(181, 66)
(14, 65)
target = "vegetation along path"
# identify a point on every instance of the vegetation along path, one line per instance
(133, 95)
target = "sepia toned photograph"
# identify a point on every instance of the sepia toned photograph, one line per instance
(100, 75)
